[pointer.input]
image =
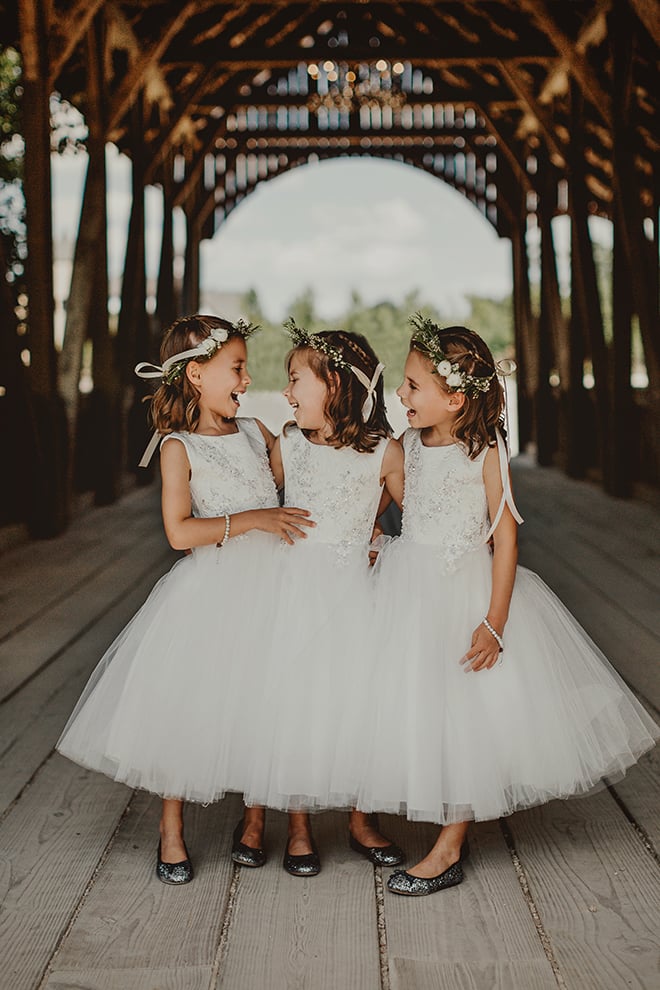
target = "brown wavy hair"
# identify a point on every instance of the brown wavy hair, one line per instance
(175, 406)
(481, 414)
(343, 407)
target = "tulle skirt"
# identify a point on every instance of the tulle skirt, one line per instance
(310, 736)
(168, 708)
(447, 745)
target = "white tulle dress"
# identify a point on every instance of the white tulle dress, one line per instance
(167, 708)
(549, 721)
(311, 723)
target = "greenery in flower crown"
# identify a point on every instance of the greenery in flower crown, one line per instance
(209, 345)
(317, 341)
(426, 335)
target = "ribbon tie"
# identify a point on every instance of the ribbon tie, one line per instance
(369, 402)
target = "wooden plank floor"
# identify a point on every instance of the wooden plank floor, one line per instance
(561, 896)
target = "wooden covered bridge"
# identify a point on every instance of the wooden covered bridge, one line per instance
(531, 109)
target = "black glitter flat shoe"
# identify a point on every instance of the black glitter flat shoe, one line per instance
(174, 873)
(390, 855)
(245, 855)
(307, 865)
(401, 882)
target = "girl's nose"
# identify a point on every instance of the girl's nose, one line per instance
(247, 377)
(399, 391)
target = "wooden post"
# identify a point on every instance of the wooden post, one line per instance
(635, 265)
(193, 241)
(550, 319)
(48, 509)
(90, 251)
(134, 338)
(165, 306)
(526, 377)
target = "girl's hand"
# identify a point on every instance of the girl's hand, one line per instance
(484, 651)
(376, 532)
(285, 522)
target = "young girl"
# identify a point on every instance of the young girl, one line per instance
(164, 709)
(492, 696)
(335, 458)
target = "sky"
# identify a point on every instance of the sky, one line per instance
(378, 227)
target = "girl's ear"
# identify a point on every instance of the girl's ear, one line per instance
(457, 400)
(335, 382)
(192, 372)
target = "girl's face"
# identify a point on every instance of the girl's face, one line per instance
(307, 394)
(222, 379)
(428, 404)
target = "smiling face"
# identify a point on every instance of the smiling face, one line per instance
(428, 404)
(306, 393)
(223, 379)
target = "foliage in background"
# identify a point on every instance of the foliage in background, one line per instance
(12, 206)
(384, 324)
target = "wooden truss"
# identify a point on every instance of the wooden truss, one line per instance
(530, 108)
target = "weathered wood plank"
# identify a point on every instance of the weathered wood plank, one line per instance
(597, 891)
(32, 720)
(37, 642)
(481, 930)
(186, 978)
(132, 922)
(640, 792)
(52, 841)
(421, 974)
(92, 541)
(319, 932)
(628, 531)
(609, 626)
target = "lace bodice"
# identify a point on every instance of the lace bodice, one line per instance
(229, 473)
(444, 503)
(339, 486)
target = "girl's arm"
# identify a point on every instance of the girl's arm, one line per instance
(392, 476)
(484, 651)
(184, 530)
(267, 435)
(276, 465)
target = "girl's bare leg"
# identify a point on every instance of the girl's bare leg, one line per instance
(254, 820)
(445, 852)
(300, 835)
(361, 827)
(172, 849)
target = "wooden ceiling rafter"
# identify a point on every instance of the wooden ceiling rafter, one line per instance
(573, 53)
(147, 58)
(61, 44)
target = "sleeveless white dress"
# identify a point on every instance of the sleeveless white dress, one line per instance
(548, 722)
(311, 725)
(167, 708)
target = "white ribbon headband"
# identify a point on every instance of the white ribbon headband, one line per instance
(370, 401)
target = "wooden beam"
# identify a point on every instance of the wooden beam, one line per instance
(533, 107)
(170, 133)
(150, 56)
(649, 15)
(73, 25)
(573, 54)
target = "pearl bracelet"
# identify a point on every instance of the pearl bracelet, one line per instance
(494, 633)
(227, 526)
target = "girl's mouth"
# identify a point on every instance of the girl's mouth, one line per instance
(235, 399)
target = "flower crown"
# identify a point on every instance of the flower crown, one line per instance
(426, 335)
(172, 367)
(305, 338)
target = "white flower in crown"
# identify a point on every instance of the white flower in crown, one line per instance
(444, 368)
(455, 379)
